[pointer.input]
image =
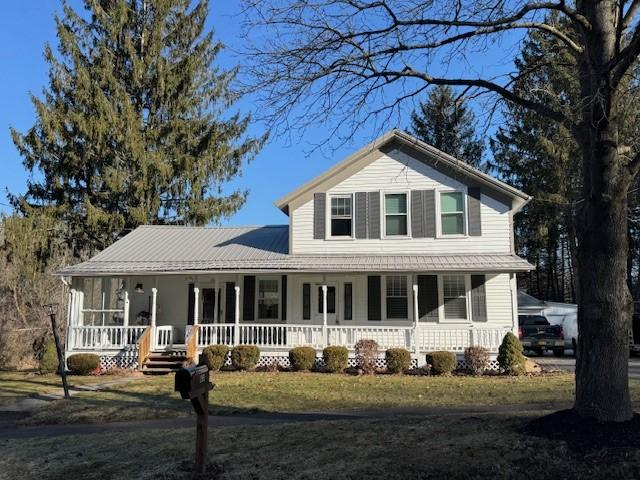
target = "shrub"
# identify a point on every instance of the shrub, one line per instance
(49, 359)
(214, 356)
(366, 355)
(244, 357)
(510, 357)
(442, 363)
(398, 360)
(302, 358)
(83, 363)
(477, 359)
(336, 359)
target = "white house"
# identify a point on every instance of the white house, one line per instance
(399, 242)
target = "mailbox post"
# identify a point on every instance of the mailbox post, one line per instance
(193, 384)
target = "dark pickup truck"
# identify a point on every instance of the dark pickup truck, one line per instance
(538, 335)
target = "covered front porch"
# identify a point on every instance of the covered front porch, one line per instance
(133, 316)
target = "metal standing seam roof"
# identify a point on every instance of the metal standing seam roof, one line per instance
(176, 249)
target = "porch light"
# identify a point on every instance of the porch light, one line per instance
(139, 288)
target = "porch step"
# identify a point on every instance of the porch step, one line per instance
(162, 363)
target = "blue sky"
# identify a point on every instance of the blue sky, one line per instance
(281, 166)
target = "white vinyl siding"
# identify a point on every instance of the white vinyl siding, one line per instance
(388, 175)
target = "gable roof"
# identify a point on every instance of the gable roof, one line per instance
(176, 249)
(420, 150)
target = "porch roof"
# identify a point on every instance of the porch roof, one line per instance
(172, 250)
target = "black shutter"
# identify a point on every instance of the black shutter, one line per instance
(428, 298)
(319, 212)
(248, 298)
(429, 213)
(284, 297)
(478, 299)
(191, 295)
(361, 214)
(306, 301)
(230, 302)
(473, 204)
(374, 298)
(417, 215)
(373, 215)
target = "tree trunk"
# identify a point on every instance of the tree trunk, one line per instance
(604, 309)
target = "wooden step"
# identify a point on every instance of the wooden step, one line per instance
(164, 362)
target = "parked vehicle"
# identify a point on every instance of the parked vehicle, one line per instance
(570, 328)
(538, 335)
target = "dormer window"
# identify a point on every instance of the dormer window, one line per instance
(452, 213)
(341, 216)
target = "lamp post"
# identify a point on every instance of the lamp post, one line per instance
(52, 310)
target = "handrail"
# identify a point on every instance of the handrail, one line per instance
(144, 347)
(192, 344)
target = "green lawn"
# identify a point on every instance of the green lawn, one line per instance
(462, 447)
(153, 397)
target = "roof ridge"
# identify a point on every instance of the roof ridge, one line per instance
(212, 227)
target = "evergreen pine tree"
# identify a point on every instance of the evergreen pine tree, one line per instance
(133, 127)
(447, 123)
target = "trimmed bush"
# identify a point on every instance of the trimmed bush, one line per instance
(442, 363)
(366, 355)
(302, 358)
(336, 359)
(214, 356)
(49, 360)
(244, 357)
(477, 359)
(398, 360)
(83, 363)
(510, 357)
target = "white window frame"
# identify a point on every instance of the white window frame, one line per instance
(409, 298)
(465, 221)
(328, 235)
(383, 216)
(257, 298)
(467, 291)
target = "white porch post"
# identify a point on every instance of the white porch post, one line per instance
(236, 327)
(196, 297)
(125, 321)
(324, 316)
(70, 323)
(416, 319)
(154, 296)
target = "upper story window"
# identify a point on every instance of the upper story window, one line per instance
(341, 216)
(452, 213)
(268, 298)
(395, 214)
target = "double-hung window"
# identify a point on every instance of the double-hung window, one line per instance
(268, 299)
(341, 216)
(452, 213)
(395, 214)
(397, 297)
(455, 297)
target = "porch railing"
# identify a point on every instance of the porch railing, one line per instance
(423, 338)
(104, 338)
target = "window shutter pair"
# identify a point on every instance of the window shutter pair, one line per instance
(423, 214)
(249, 298)
(366, 210)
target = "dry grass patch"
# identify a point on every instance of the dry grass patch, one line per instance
(463, 447)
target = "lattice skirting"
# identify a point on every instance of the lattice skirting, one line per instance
(283, 361)
(119, 360)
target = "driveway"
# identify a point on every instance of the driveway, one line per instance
(568, 363)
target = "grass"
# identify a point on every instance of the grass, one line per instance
(460, 447)
(153, 397)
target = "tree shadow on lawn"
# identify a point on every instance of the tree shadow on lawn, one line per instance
(583, 434)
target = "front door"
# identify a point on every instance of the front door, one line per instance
(332, 303)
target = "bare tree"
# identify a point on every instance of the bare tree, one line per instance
(358, 61)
